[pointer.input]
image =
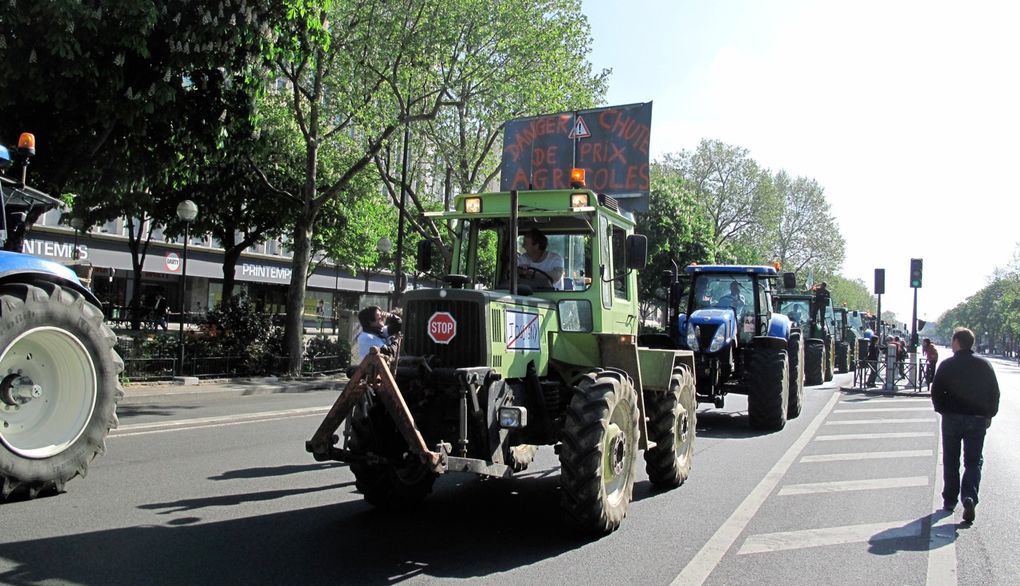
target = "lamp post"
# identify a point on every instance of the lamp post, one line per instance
(77, 224)
(186, 212)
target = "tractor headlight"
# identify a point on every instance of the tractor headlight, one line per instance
(718, 340)
(692, 337)
(513, 417)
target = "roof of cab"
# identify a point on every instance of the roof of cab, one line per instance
(734, 269)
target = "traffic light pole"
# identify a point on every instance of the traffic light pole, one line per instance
(913, 328)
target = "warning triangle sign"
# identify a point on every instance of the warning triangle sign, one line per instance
(580, 129)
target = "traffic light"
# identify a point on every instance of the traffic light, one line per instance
(915, 273)
(879, 281)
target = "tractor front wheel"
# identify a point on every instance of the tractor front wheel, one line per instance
(672, 419)
(389, 476)
(814, 362)
(767, 397)
(599, 451)
(59, 386)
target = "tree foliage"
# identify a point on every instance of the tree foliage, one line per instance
(807, 235)
(737, 195)
(993, 312)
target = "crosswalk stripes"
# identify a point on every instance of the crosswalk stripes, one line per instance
(871, 411)
(867, 413)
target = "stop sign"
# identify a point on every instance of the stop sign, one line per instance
(442, 327)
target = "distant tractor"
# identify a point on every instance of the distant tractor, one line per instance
(740, 345)
(848, 330)
(819, 343)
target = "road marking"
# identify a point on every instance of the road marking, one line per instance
(864, 436)
(882, 410)
(767, 542)
(865, 456)
(880, 420)
(883, 400)
(942, 536)
(851, 485)
(701, 565)
(219, 421)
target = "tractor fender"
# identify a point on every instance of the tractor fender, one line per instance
(16, 267)
(770, 342)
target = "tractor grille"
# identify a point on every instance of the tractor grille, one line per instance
(707, 333)
(466, 348)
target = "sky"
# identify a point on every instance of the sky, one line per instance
(906, 112)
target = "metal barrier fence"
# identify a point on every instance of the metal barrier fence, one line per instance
(872, 373)
(163, 368)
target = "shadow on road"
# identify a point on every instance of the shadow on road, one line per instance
(717, 423)
(229, 500)
(271, 471)
(125, 411)
(914, 536)
(469, 528)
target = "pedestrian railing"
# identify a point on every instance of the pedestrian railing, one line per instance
(165, 368)
(875, 373)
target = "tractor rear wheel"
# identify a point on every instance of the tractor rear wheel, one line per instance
(390, 476)
(672, 419)
(60, 387)
(599, 451)
(768, 392)
(830, 352)
(814, 362)
(842, 357)
(795, 354)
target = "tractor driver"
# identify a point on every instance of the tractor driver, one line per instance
(733, 299)
(537, 266)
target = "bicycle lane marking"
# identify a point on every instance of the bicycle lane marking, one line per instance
(701, 565)
(137, 429)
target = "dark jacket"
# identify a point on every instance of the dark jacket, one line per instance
(965, 384)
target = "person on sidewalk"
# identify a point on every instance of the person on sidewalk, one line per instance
(965, 393)
(931, 357)
(873, 354)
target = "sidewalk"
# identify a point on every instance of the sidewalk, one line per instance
(237, 386)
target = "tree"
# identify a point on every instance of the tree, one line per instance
(738, 196)
(807, 233)
(545, 42)
(678, 232)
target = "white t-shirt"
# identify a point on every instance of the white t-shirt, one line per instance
(368, 340)
(549, 264)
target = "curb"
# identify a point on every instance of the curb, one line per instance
(879, 392)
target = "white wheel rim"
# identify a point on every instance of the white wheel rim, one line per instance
(59, 364)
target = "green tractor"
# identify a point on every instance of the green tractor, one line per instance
(493, 365)
(819, 342)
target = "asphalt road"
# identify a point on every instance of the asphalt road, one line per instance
(203, 488)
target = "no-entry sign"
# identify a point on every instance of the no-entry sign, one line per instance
(442, 327)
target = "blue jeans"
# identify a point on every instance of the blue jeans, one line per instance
(968, 430)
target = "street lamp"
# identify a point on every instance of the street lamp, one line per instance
(76, 223)
(186, 212)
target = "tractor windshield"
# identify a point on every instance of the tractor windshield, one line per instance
(555, 255)
(796, 310)
(724, 291)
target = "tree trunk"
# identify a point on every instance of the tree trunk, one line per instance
(293, 337)
(230, 258)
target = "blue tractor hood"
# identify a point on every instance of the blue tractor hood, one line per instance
(15, 266)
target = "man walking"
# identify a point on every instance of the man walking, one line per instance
(966, 393)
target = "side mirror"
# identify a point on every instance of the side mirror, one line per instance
(789, 281)
(424, 259)
(637, 251)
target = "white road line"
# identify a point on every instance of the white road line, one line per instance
(701, 565)
(876, 400)
(851, 485)
(864, 436)
(767, 542)
(882, 410)
(880, 420)
(865, 456)
(942, 538)
(219, 421)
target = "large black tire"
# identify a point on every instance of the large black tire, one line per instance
(768, 388)
(842, 357)
(830, 352)
(795, 354)
(672, 420)
(60, 387)
(391, 477)
(598, 455)
(814, 362)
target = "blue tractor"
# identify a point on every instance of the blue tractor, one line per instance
(60, 372)
(725, 316)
